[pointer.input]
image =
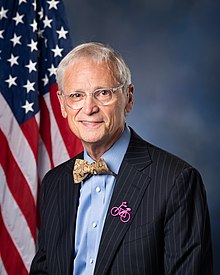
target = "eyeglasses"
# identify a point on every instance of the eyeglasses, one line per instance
(102, 96)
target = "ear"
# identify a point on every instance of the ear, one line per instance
(62, 107)
(130, 102)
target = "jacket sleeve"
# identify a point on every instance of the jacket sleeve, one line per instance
(187, 236)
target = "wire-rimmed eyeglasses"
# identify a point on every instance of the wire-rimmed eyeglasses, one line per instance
(102, 96)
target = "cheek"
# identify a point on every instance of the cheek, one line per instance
(117, 117)
(71, 118)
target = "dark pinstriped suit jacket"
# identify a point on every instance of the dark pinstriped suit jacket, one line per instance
(169, 230)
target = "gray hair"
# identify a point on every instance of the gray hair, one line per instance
(99, 53)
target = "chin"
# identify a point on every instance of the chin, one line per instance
(90, 139)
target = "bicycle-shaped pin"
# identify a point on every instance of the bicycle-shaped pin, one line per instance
(122, 211)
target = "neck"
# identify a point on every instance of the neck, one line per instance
(95, 151)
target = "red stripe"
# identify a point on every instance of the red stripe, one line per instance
(10, 256)
(73, 144)
(18, 185)
(30, 130)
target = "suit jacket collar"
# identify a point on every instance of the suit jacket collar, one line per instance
(130, 186)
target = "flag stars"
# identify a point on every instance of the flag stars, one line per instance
(29, 86)
(11, 81)
(28, 107)
(53, 4)
(21, 66)
(13, 60)
(34, 25)
(16, 40)
(40, 33)
(41, 13)
(31, 66)
(34, 5)
(57, 51)
(33, 45)
(47, 22)
(45, 42)
(52, 70)
(3, 13)
(1, 33)
(18, 19)
(45, 80)
(22, 1)
(62, 33)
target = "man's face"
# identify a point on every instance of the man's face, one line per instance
(95, 124)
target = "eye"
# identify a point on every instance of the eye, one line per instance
(76, 96)
(103, 93)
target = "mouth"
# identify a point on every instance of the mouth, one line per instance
(91, 124)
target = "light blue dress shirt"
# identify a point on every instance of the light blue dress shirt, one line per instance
(95, 196)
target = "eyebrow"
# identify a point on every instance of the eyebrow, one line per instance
(97, 88)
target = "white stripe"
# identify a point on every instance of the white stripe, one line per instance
(44, 164)
(2, 268)
(60, 153)
(16, 224)
(19, 146)
(2, 179)
(37, 117)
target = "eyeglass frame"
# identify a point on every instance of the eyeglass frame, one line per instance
(112, 89)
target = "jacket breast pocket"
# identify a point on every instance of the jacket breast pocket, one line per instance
(143, 231)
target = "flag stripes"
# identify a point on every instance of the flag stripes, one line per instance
(12, 172)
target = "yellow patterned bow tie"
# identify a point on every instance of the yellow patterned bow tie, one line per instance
(84, 170)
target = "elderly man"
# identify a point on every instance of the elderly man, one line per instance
(122, 206)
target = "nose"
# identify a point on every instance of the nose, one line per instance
(90, 105)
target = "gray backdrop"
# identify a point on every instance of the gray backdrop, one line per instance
(172, 49)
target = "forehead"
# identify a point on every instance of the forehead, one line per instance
(86, 73)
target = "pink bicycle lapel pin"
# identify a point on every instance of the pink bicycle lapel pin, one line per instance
(122, 211)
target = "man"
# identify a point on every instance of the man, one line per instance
(144, 211)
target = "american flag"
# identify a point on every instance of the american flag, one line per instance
(33, 136)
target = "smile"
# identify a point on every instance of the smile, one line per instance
(91, 123)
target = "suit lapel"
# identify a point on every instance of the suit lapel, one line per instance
(130, 187)
(68, 199)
